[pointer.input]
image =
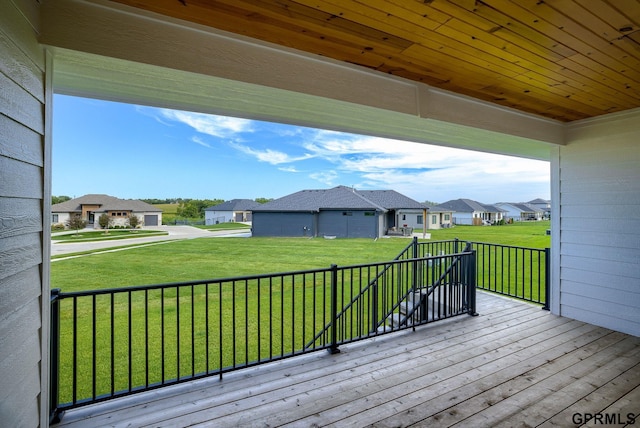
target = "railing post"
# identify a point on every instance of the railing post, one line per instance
(374, 307)
(547, 279)
(333, 349)
(471, 284)
(54, 357)
(414, 276)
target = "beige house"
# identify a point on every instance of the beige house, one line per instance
(91, 207)
(439, 217)
(534, 82)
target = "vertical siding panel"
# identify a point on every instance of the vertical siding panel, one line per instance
(22, 192)
(600, 222)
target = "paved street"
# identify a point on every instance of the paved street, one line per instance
(175, 233)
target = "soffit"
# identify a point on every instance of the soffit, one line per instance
(565, 60)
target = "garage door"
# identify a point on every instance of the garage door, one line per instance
(150, 219)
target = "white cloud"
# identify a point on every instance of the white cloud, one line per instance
(327, 178)
(216, 126)
(288, 169)
(418, 170)
(273, 157)
(421, 169)
(199, 140)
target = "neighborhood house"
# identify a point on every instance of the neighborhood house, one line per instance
(342, 212)
(91, 207)
(520, 211)
(472, 213)
(238, 210)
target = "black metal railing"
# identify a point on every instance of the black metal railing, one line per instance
(513, 271)
(115, 342)
(435, 284)
(518, 272)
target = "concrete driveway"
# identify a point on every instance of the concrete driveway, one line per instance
(175, 233)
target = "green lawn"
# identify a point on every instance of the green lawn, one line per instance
(220, 258)
(208, 258)
(521, 234)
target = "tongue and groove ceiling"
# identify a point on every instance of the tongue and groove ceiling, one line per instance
(561, 59)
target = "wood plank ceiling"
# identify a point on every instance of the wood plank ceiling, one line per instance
(562, 59)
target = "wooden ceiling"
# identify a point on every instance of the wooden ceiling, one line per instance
(562, 59)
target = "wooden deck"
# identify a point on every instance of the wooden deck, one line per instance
(513, 365)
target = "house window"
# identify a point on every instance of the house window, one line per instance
(446, 217)
(434, 219)
(369, 214)
(419, 219)
(349, 213)
(54, 218)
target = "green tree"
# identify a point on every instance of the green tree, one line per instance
(59, 199)
(263, 200)
(104, 221)
(194, 208)
(76, 222)
(134, 221)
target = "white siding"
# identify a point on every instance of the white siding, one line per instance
(463, 218)
(22, 195)
(211, 217)
(600, 222)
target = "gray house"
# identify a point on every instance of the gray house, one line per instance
(470, 212)
(543, 204)
(586, 124)
(520, 211)
(234, 210)
(341, 212)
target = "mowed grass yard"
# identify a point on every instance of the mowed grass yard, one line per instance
(209, 258)
(140, 348)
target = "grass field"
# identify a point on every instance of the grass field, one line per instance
(168, 208)
(220, 258)
(521, 234)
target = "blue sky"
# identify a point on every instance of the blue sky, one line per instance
(139, 152)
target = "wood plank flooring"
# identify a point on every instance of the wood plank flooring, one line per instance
(514, 365)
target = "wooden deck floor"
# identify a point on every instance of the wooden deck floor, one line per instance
(513, 365)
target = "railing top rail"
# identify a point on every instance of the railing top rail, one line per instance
(518, 247)
(188, 283)
(114, 290)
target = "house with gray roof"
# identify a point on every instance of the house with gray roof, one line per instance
(470, 212)
(91, 207)
(520, 211)
(238, 210)
(439, 217)
(543, 204)
(341, 211)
